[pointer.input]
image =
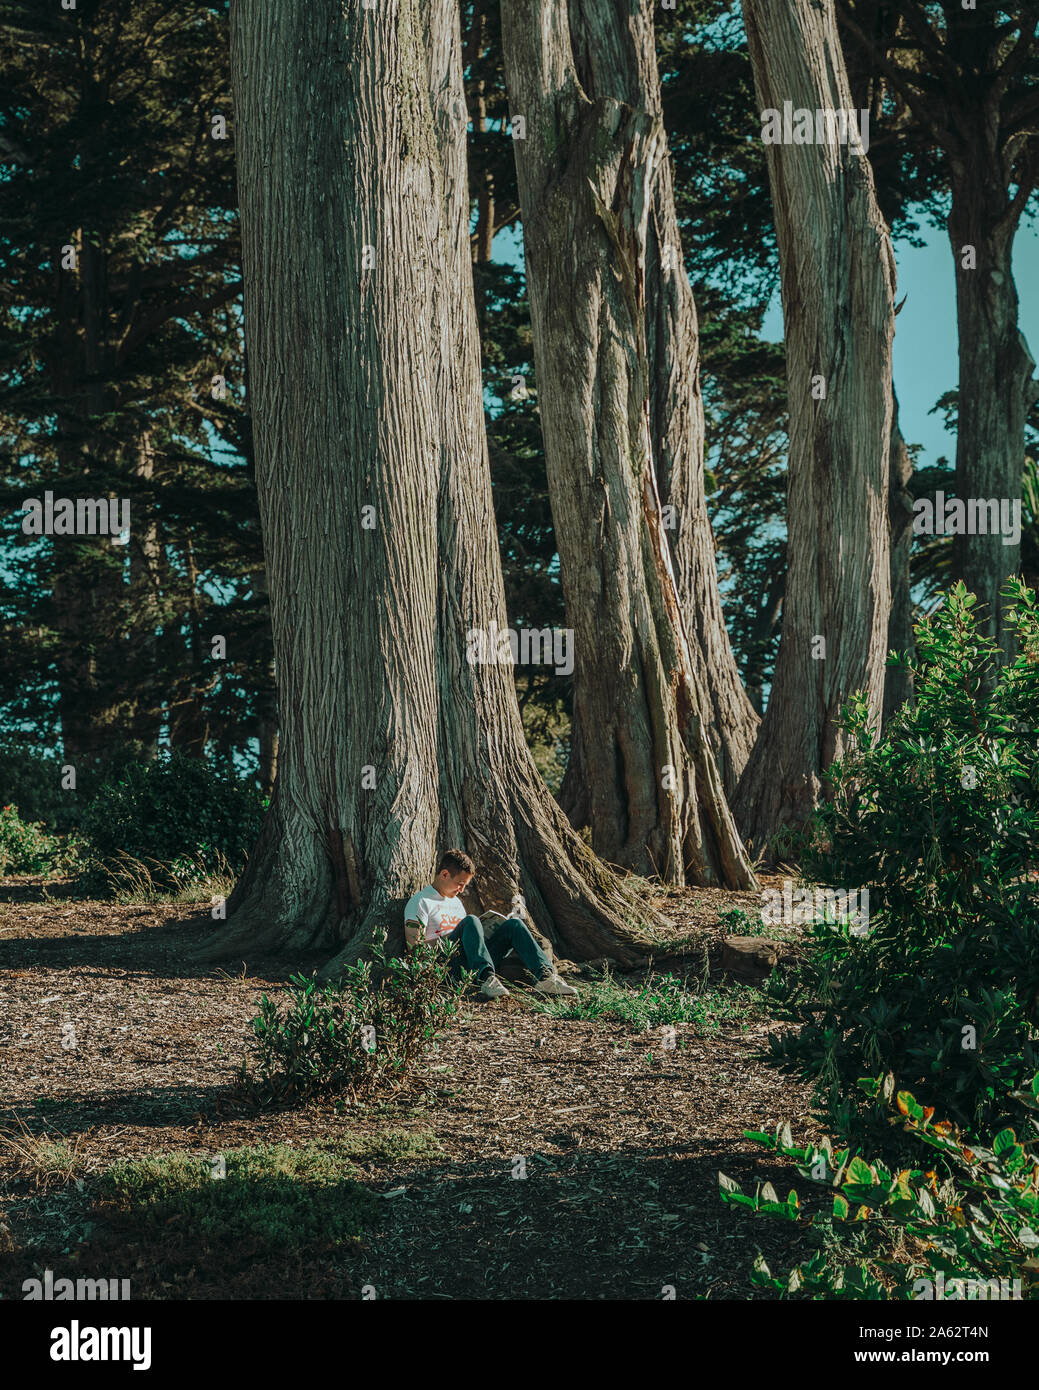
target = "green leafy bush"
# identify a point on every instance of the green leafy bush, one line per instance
(354, 1036)
(179, 816)
(25, 847)
(978, 1225)
(939, 819)
(31, 780)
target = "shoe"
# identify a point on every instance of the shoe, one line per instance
(492, 988)
(552, 984)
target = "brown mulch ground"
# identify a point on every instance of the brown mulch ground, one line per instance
(620, 1142)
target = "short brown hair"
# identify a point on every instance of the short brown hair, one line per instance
(457, 861)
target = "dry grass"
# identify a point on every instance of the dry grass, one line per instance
(43, 1160)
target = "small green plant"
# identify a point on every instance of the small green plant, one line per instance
(26, 847)
(353, 1036)
(737, 920)
(976, 1224)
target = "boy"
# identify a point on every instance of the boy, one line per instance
(435, 913)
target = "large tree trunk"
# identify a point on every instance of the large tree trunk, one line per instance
(838, 278)
(365, 375)
(614, 56)
(677, 426)
(996, 389)
(266, 700)
(898, 683)
(587, 171)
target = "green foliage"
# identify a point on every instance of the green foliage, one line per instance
(316, 1041)
(111, 369)
(273, 1196)
(939, 818)
(31, 780)
(656, 1001)
(738, 921)
(180, 814)
(978, 1223)
(25, 846)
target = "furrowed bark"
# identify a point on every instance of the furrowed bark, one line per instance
(366, 379)
(587, 172)
(997, 389)
(898, 683)
(838, 279)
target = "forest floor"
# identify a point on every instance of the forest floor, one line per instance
(531, 1156)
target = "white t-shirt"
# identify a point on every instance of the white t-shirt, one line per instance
(437, 914)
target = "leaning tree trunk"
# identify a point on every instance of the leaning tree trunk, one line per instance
(838, 278)
(677, 424)
(898, 683)
(996, 390)
(586, 173)
(614, 56)
(374, 492)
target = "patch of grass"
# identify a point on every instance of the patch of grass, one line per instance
(656, 1001)
(131, 880)
(45, 1160)
(389, 1145)
(668, 943)
(728, 1004)
(272, 1197)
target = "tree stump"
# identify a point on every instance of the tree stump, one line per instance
(751, 958)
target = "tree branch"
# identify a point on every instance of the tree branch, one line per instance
(923, 109)
(162, 313)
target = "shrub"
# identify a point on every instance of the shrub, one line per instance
(939, 818)
(318, 1040)
(181, 816)
(26, 848)
(978, 1224)
(31, 780)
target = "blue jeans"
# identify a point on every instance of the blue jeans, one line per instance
(483, 956)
